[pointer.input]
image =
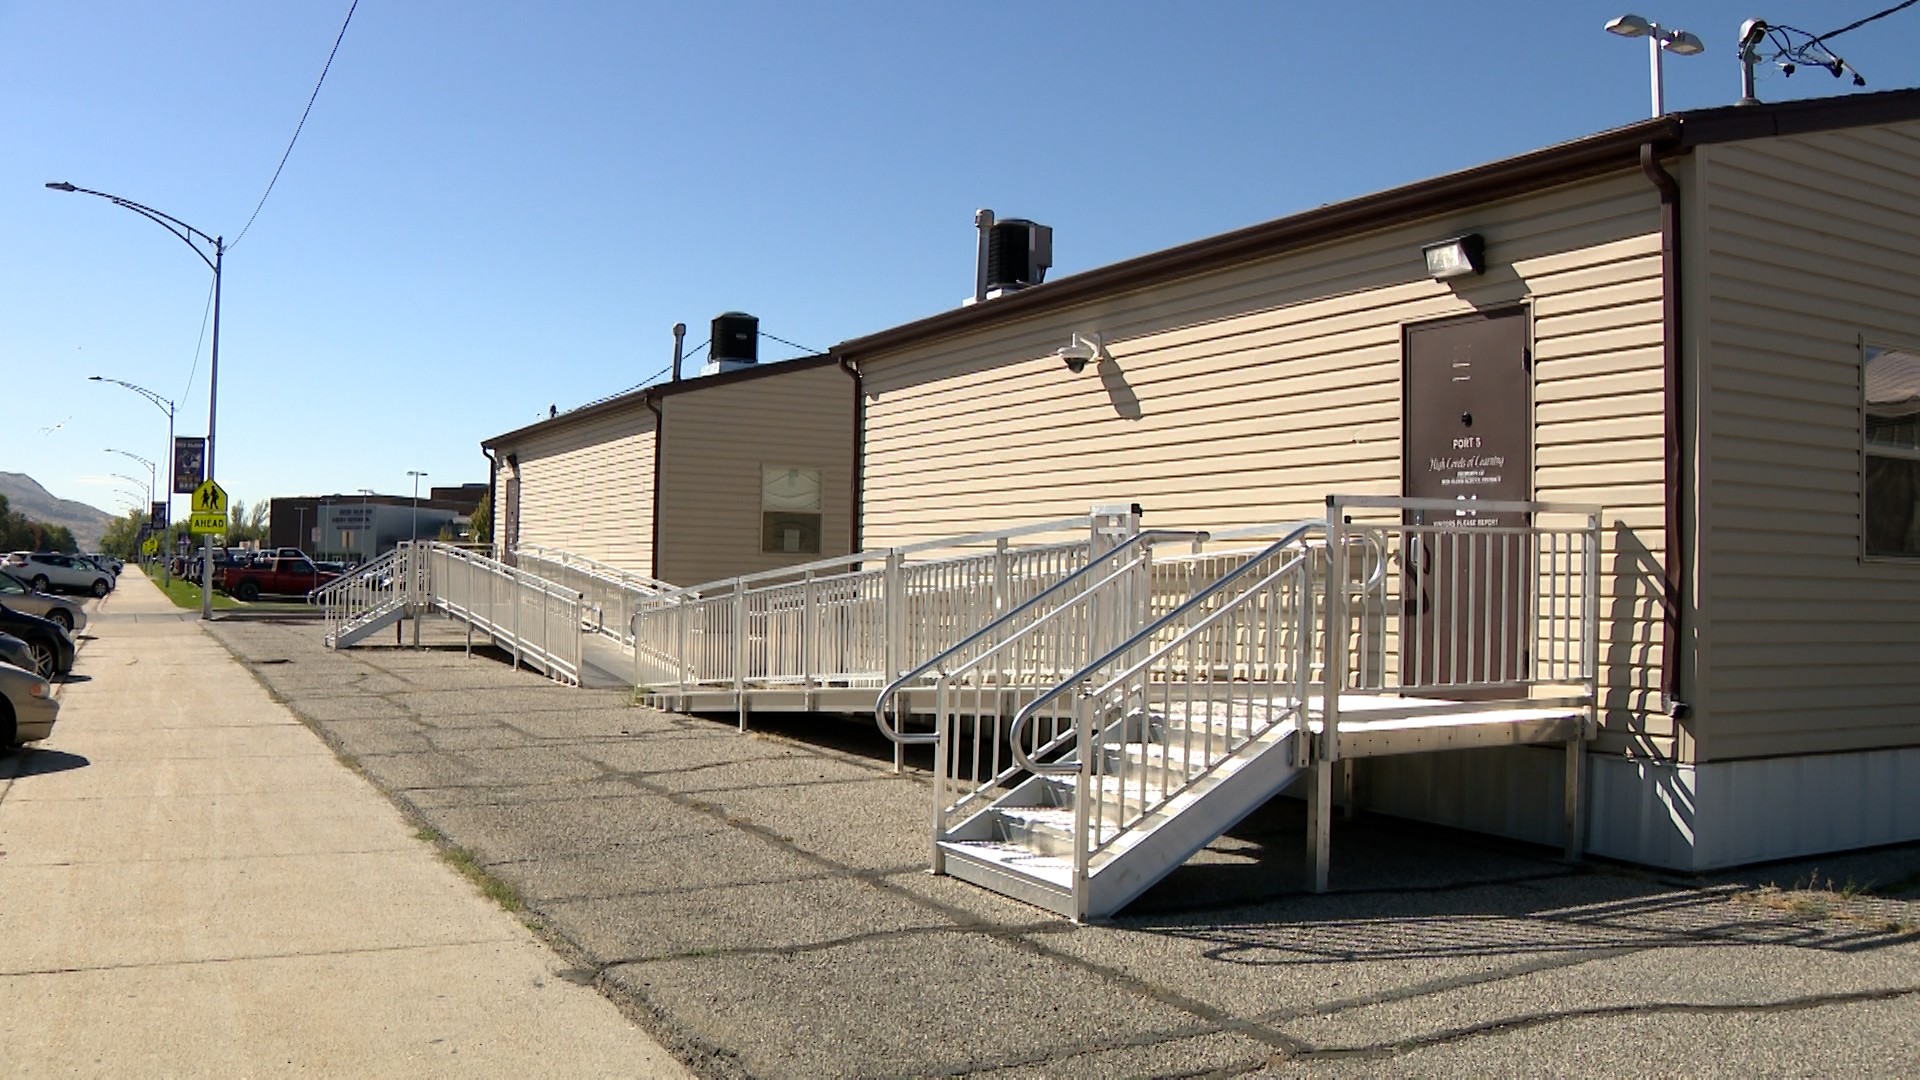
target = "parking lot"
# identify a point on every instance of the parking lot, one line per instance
(761, 904)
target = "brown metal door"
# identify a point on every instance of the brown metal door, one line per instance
(511, 522)
(1469, 438)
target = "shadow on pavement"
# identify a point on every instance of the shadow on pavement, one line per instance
(28, 761)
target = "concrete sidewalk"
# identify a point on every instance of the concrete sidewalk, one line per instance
(191, 883)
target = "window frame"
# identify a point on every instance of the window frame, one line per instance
(819, 513)
(1869, 450)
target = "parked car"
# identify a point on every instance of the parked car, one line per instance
(14, 651)
(107, 562)
(53, 648)
(189, 567)
(17, 595)
(103, 564)
(48, 570)
(282, 575)
(27, 707)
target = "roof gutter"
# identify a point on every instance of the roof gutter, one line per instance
(1670, 335)
(652, 401)
(859, 450)
(493, 512)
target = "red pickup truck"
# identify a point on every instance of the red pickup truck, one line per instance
(285, 572)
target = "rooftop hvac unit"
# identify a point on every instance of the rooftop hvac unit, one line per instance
(1014, 254)
(735, 345)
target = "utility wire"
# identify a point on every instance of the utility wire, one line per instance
(648, 381)
(297, 127)
(804, 349)
(1858, 23)
(198, 343)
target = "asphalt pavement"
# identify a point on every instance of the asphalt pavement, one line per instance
(761, 903)
(193, 884)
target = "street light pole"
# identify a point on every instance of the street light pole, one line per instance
(414, 529)
(366, 521)
(165, 406)
(152, 475)
(1659, 39)
(193, 238)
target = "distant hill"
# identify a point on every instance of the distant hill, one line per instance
(27, 498)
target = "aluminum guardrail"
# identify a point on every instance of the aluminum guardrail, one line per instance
(534, 619)
(850, 620)
(612, 596)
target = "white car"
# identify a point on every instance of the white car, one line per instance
(27, 707)
(48, 570)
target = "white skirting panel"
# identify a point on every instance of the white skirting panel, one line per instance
(1677, 817)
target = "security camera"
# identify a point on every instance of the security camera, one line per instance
(1752, 32)
(1082, 352)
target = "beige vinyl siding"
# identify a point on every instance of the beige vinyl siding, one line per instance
(587, 488)
(1810, 242)
(1247, 395)
(718, 438)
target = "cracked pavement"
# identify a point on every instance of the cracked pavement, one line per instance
(760, 903)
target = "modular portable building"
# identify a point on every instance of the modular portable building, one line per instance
(684, 482)
(1704, 323)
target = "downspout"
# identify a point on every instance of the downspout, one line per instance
(859, 451)
(493, 512)
(659, 445)
(1670, 335)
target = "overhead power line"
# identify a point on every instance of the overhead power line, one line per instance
(1858, 23)
(804, 349)
(297, 127)
(1813, 50)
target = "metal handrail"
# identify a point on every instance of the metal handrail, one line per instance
(894, 687)
(1021, 718)
(607, 572)
(558, 605)
(867, 555)
(337, 598)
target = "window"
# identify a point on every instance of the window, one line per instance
(1892, 498)
(789, 510)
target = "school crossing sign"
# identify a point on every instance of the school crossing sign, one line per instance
(209, 510)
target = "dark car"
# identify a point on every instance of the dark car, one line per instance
(52, 647)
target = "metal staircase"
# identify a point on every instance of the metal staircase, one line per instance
(1094, 738)
(536, 621)
(1097, 736)
(359, 605)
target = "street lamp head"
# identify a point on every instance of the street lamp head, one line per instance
(61, 185)
(95, 378)
(1630, 26)
(1683, 44)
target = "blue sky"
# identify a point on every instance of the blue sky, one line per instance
(499, 206)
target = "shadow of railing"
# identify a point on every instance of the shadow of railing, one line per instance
(1484, 923)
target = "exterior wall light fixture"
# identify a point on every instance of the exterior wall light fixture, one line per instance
(1462, 256)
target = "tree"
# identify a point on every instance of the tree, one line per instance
(18, 533)
(122, 538)
(246, 522)
(480, 522)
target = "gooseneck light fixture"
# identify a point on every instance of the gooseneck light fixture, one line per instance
(1659, 39)
(201, 243)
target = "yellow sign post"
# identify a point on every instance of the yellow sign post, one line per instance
(150, 546)
(209, 510)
